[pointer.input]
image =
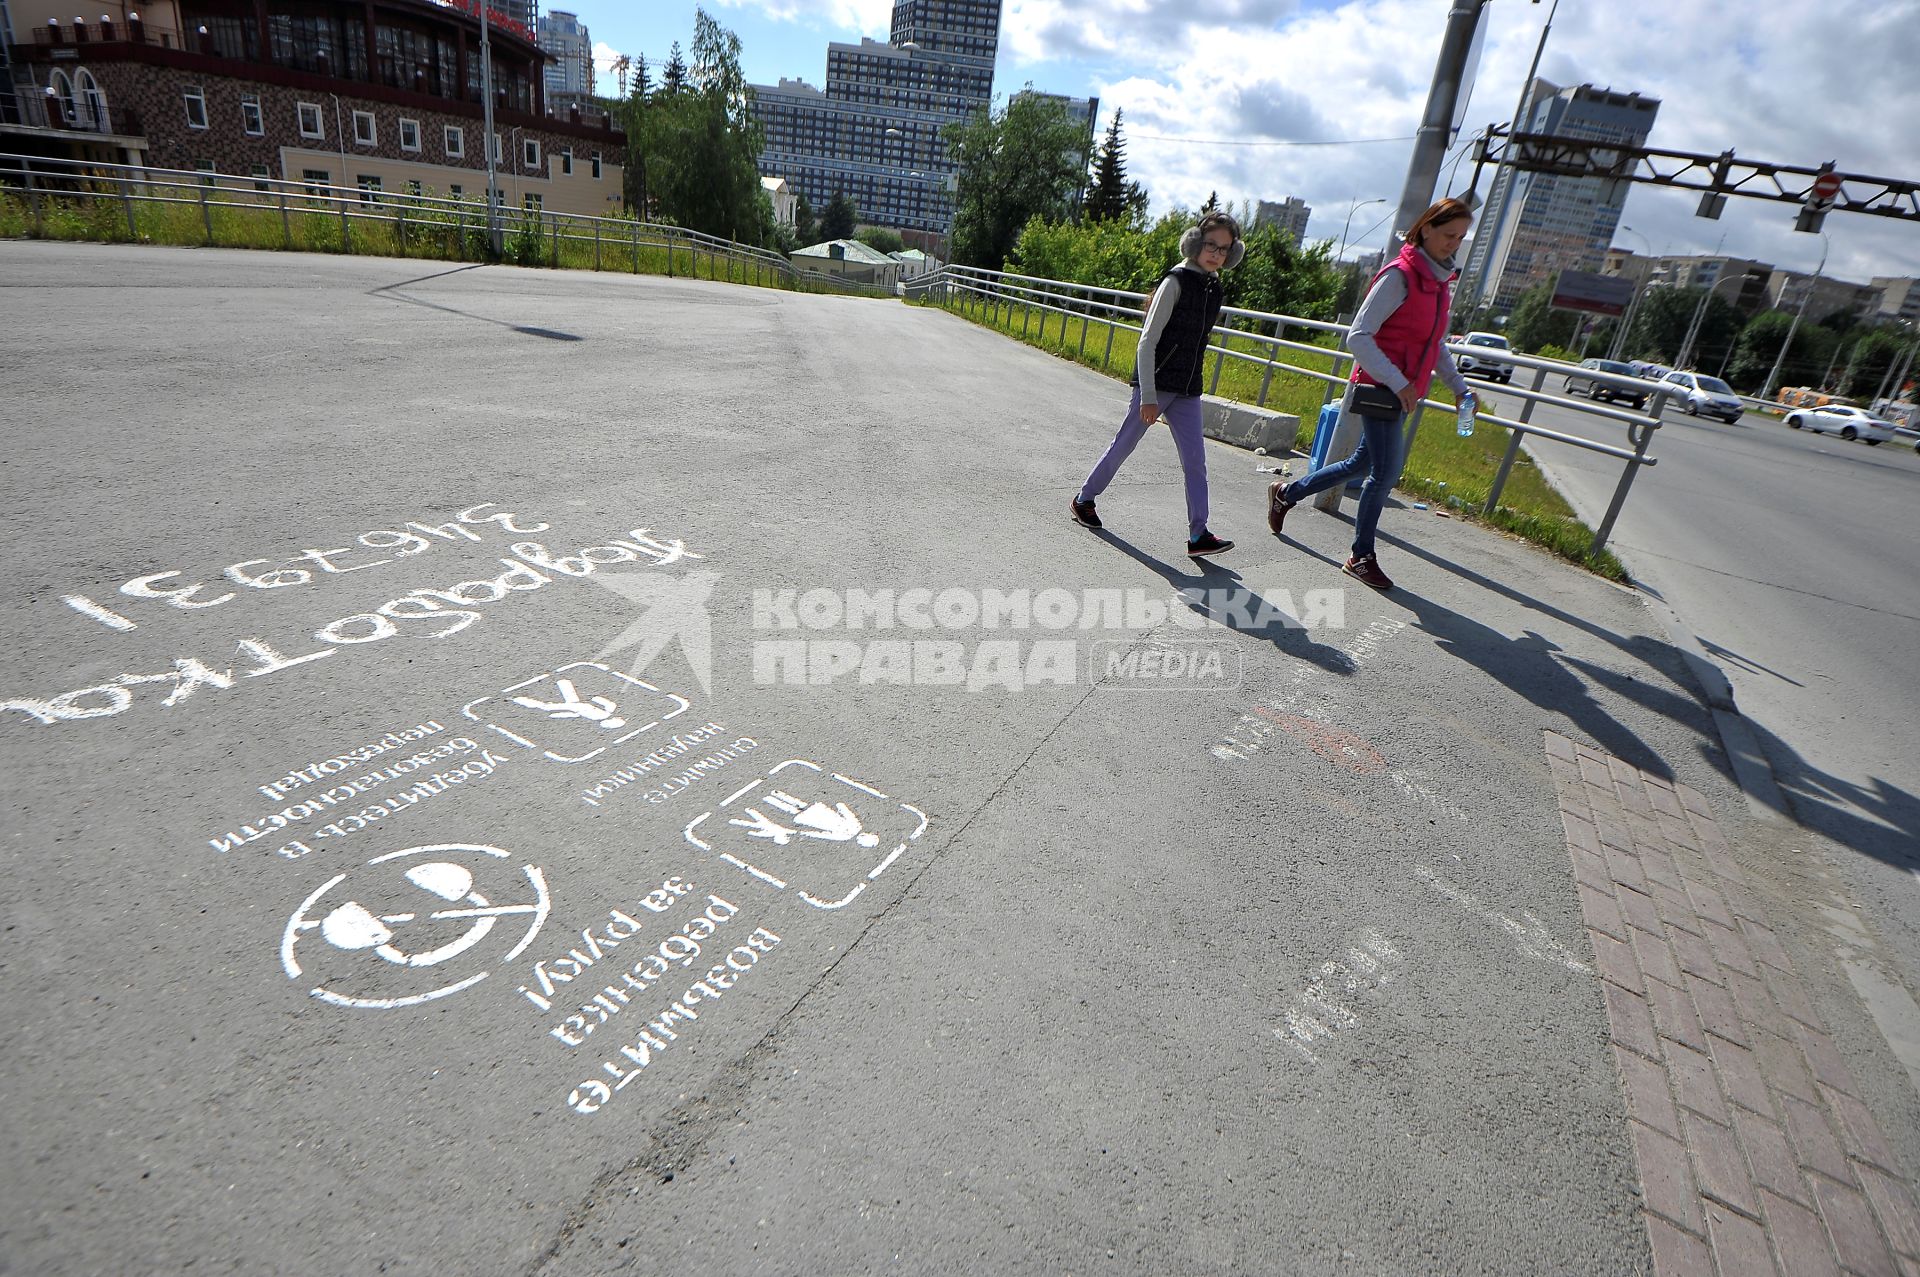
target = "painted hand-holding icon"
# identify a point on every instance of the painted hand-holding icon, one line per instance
(806, 812)
(577, 712)
(399, 930)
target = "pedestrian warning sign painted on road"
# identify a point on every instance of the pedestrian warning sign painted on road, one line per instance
(826, 834)
(413, 926)
(577, 712)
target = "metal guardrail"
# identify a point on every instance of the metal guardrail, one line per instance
(988, 294)
(46, 183)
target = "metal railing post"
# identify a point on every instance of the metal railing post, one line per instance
(1513, 444)
(346, 236)
(1106, 357)
(1273, 352)
(33, 199)
(400, 226)
(1641, 436)
(126, 200)
(206, 214)
(1219, 364)
(636, 248)
(460, 234)
(286, 222)
(596, 243)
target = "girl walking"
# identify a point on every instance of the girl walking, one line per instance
(1398, 342)
(1167, 373)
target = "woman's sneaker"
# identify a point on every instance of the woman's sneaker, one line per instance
(1366, 571)
(1277, 505)
(1207, 543)
(1084, 514)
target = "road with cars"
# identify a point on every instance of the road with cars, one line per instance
(1791, 555)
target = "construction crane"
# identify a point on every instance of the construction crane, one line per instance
(621, 65)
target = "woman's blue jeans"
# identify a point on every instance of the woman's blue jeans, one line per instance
(1378, 456)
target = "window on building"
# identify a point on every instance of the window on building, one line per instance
(455, 140)
(196, 100)
(261, 174)
(364, 131)
(499, 151)
(369, 186)
(532, 202)
(207, 172)
(529, 153)
(315, 178)
(252, 122)
(596, 166)
(566, 161)
(409, 135)
(312, 123)
(413, 186)
(456, 190)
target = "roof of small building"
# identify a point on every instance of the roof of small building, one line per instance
(851, 249)
(909, 255)
(774, 183)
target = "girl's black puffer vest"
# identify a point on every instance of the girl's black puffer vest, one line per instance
(1180, 357)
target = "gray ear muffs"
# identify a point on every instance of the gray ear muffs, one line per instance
(1190, 247)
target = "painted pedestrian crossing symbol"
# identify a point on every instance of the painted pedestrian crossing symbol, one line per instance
(577, 712)
(804, 827)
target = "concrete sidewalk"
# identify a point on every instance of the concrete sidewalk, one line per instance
(1086, 909)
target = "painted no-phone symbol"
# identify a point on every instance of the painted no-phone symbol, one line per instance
(414, 925)
(801, 823)
(576, 712)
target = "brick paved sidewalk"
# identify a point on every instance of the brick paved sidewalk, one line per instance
(1756, 1153)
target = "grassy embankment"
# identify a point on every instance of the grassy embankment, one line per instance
(1443, 467)
(439, 234)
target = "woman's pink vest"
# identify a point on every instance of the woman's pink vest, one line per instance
(1412, 335)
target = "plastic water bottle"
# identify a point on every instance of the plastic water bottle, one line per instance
(1464, 415)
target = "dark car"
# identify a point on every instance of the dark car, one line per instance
(1601, 391)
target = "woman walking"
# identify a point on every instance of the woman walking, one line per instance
(1166, 373)
(1398, 342)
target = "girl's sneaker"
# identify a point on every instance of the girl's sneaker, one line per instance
(1084, 514)
(1207, 543)
(1367, 571)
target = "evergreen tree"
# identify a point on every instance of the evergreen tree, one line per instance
(1212, 205)
(642, 83)
(837, 221)
(673, 81)
(805, 230)
(1109, 196)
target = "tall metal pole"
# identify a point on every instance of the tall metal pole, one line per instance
(1766, 391)
(1633, 306)
(1436, 126)
(1348, 224)
(486, 93)
(1492, 217)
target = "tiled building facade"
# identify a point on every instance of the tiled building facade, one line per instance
(404, 115)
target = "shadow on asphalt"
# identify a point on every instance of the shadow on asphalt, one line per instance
(1878, 819)
(392, 291)
(1239, 607)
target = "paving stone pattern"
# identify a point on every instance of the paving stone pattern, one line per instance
(1756, 1152)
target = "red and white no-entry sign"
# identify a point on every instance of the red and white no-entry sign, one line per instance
(1825, 187)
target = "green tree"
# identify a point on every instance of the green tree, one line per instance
(699, 146)
(838, 219)
(1020, 162)
(673, 80)
(1867, 362)
(1280, 279)
(1536, 323)
(642, 83)
(1110, 196)
(1212, 205)
(880, 239)
(1760, 343)
(804, 227)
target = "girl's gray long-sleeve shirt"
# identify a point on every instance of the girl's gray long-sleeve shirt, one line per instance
(1159, 311)
(1386, 296)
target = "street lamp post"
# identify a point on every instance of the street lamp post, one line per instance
(1766, 391)
(486, 94)
(1491, 218)
(1633, 306)
(1348, 225)
(1699, 316)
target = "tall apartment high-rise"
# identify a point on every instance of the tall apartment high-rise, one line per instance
(874, 133)
(1288, 216)
(1547, 223)
(569, 77)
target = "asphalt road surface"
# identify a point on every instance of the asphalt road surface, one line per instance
(516, 772)
(1792, 557)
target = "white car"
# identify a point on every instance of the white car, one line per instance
(1488, 368)
(1844, 420)
(1701, 395)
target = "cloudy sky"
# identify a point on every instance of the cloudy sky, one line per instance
(1783, 81)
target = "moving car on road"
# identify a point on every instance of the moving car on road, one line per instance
(1490, 369)
(1844, 420)
(1598, 390)
(1704, 396)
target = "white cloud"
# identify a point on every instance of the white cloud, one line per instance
(868, 17)
(604, 56)
(1782, 83)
